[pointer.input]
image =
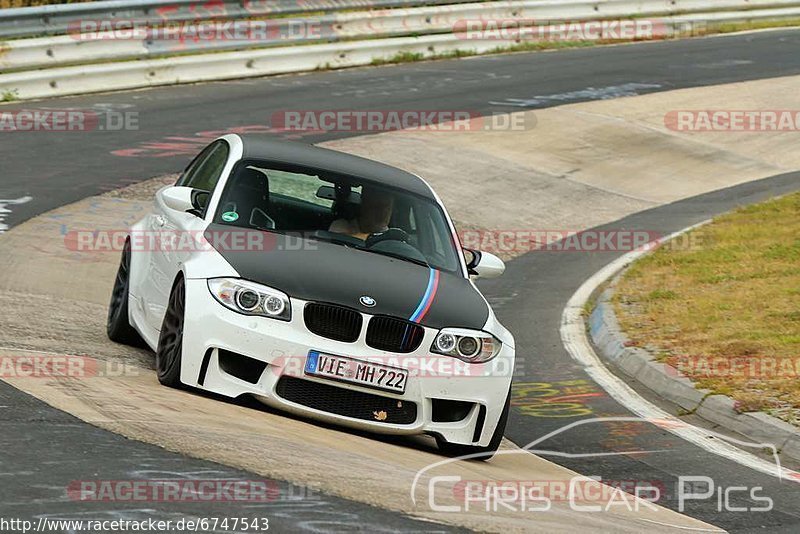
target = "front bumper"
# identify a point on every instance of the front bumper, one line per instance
(213, 335)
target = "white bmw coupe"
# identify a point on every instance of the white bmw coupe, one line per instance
(321, 283)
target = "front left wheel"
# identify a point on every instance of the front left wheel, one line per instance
(170, 342)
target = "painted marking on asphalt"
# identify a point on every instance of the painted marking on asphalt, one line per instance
(4, 211)
(725, 64)
(682, 527)
(561, 399)
(575, 340)
(15, 349)
(590, 93)
(189, 145)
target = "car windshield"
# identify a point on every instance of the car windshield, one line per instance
(345, 210)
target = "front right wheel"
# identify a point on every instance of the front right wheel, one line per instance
(170, 342)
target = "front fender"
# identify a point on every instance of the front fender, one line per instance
(208, 264)
(140, 258)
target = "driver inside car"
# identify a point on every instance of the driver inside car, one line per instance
(373, 217)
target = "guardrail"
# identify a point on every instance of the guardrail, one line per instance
(347, 33)
(56, 19)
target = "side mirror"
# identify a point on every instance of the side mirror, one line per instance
(178, 198)
(484, 264)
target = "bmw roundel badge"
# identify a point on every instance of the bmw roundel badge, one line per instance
(367, 301)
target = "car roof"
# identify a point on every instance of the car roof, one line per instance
(335, 162)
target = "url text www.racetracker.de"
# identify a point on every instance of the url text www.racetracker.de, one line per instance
(187, 524)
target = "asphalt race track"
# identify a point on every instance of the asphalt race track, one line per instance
(529, 299)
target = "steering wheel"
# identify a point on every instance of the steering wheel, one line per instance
(392, 234)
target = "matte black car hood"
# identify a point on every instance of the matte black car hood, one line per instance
(326, 272)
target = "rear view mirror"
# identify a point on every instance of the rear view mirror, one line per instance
(328, 192)
(483, 264)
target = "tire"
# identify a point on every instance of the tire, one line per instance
(118, 326)
(170, 342)
(487, 452)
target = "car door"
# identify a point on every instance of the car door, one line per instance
(179, 230)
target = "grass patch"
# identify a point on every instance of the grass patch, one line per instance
(732, 294)
(28, 3)
(533, 46)
(9, 95)
(410, 57)
(400, 57)
(661, 294)
(733, 27)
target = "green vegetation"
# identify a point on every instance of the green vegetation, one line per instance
(734, 295)
(9, 95)
(27, 3)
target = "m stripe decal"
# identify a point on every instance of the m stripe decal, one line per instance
(427, 299)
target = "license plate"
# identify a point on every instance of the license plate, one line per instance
(373, 375)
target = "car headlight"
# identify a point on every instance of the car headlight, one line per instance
(473, 346)
(249, 298)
